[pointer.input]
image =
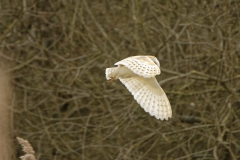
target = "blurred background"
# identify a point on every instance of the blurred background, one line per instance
(57, 52)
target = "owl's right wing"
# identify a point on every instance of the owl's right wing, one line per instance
(149, 94)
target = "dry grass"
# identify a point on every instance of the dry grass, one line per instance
(58, 51)
(27, 148)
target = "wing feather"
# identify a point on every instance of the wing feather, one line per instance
(149, 94)
(151, 105)
(143, 95)
(157, 104)
(141, 65)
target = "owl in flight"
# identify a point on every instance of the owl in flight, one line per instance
(138, 73)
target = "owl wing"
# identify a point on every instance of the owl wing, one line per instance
(141, 65)
(149, 94)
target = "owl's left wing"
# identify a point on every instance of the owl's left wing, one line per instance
(149, 94)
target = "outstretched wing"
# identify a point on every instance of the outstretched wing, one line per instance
(141, 65)
(149, 94)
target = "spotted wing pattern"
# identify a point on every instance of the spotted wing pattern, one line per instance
(149, 94)
(141, 65)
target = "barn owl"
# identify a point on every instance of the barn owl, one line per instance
(138, 73)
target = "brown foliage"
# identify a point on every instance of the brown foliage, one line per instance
(27, 148)
(59, 51)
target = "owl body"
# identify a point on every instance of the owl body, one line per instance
(138, 73)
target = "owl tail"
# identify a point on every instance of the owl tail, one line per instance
(111, 74)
